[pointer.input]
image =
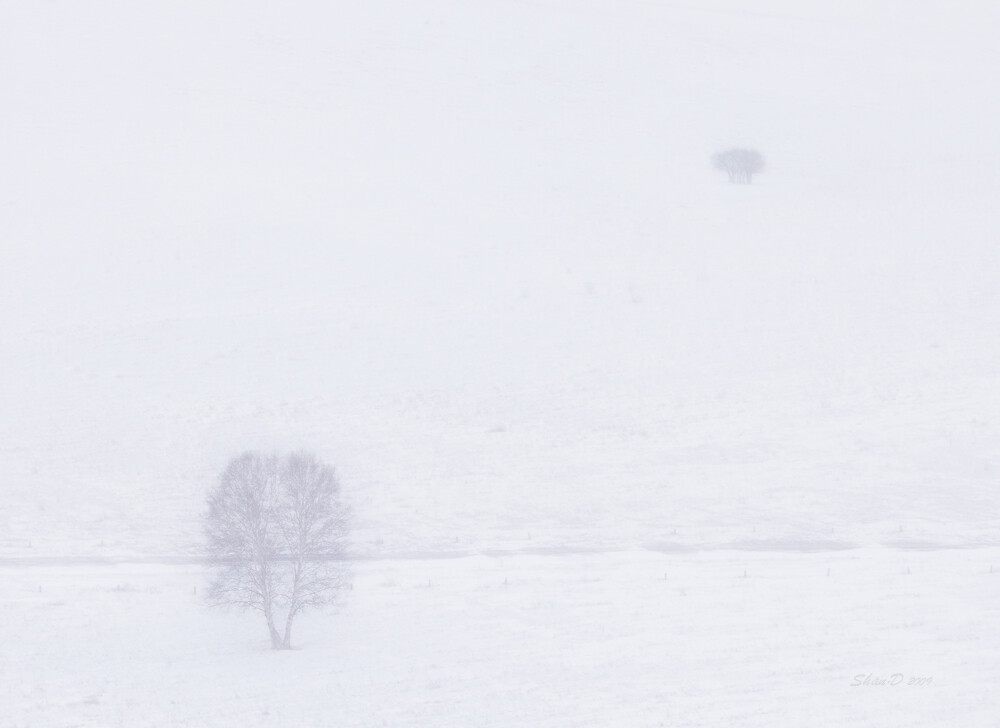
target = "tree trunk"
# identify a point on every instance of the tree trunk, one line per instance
(293, 605)
(286, 643)
(276, 642)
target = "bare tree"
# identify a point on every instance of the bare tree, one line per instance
(740, 164)
(275, 530)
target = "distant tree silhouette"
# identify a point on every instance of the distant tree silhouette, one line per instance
(740, 164)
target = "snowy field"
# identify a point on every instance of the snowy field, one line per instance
(631, 638)
(474, 254)
(574, 383)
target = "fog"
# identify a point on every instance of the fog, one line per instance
(477, 258)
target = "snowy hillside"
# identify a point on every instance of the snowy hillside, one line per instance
(475, 255)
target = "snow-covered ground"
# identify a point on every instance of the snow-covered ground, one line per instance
(861, 638)
(474, 255)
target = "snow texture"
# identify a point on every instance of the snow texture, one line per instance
(574, 383)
